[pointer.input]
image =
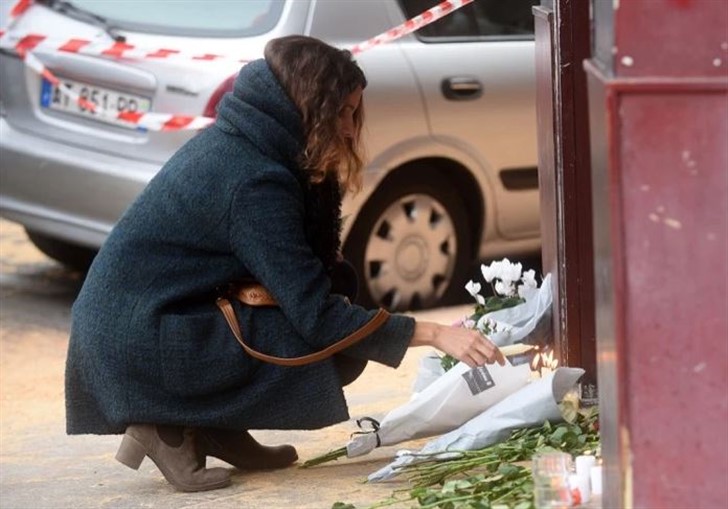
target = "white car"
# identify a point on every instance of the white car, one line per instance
(451, 125)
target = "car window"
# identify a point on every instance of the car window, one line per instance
(204, 18)
(482, 19)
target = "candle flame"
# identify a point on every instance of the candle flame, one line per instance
(535, 362)
(544, 362)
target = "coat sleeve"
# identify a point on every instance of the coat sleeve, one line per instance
(267, 235)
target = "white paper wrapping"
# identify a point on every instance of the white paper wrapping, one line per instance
(448, 402)
(529, 406)
(430, 370)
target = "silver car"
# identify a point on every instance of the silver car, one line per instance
(451, 126)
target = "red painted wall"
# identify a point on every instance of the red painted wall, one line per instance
(671, 38)
(673, 188)
(659, 122)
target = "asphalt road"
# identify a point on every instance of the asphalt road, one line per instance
(41, 467)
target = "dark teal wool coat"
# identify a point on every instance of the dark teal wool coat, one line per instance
(148, 344)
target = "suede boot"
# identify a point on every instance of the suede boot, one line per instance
(242, 451)
(173, 450)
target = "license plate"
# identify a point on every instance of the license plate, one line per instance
(52, 98)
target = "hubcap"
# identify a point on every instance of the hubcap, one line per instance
(411, 258)
(410, 255)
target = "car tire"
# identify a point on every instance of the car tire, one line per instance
(411, 244)
(71, 255)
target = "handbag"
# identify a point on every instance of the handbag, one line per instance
(254, 294)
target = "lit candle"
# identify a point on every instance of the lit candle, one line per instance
(581, 485)
(584, 463)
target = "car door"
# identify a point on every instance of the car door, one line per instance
(476, 69)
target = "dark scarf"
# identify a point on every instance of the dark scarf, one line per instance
(323, 220)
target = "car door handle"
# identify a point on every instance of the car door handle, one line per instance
(461, 88)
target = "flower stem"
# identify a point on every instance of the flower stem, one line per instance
(325, 458)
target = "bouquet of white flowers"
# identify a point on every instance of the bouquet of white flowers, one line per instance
(519, 312)
(450, 399)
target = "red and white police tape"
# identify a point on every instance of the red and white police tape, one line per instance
(18, 9)
(25, 44)
(429, 16)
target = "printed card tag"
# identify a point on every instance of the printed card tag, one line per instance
(478, 380)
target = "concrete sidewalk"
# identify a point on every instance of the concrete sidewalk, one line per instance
(41, 467)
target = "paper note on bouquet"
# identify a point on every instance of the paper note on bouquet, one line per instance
(25, 43)
(447, 403)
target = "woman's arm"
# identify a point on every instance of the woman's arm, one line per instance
(466, 345)
(267, 234)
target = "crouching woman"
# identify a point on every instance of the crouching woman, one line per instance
(247, 210)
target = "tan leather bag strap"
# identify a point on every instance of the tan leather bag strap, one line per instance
(353, 338)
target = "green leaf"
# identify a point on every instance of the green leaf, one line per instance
(558, 435)
(494, 303)
(342, 505)
(456, 485)
(526, 504)
(507, 470)
(447, 362)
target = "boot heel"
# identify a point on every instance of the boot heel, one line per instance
(131, 453)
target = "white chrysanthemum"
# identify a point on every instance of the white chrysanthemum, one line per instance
(473, 289)
(529, 279)
(503, 270)
(505, 288)
(489, 271)
(510, 272)
(529, 286)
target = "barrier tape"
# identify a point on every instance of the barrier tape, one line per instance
(411, 25)
(104, 49)
(25, 44)
(18, 9)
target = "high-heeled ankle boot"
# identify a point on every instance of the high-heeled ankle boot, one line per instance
(242, 451)
(173, 450)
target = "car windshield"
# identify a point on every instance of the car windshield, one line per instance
(203, 18)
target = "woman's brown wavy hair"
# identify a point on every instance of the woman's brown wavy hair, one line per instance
(318, 78)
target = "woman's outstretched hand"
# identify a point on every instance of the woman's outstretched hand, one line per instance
(466, 345)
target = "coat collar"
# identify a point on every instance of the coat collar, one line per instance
(259, 109)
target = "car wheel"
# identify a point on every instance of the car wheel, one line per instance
(71, 255)
(411, 244)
